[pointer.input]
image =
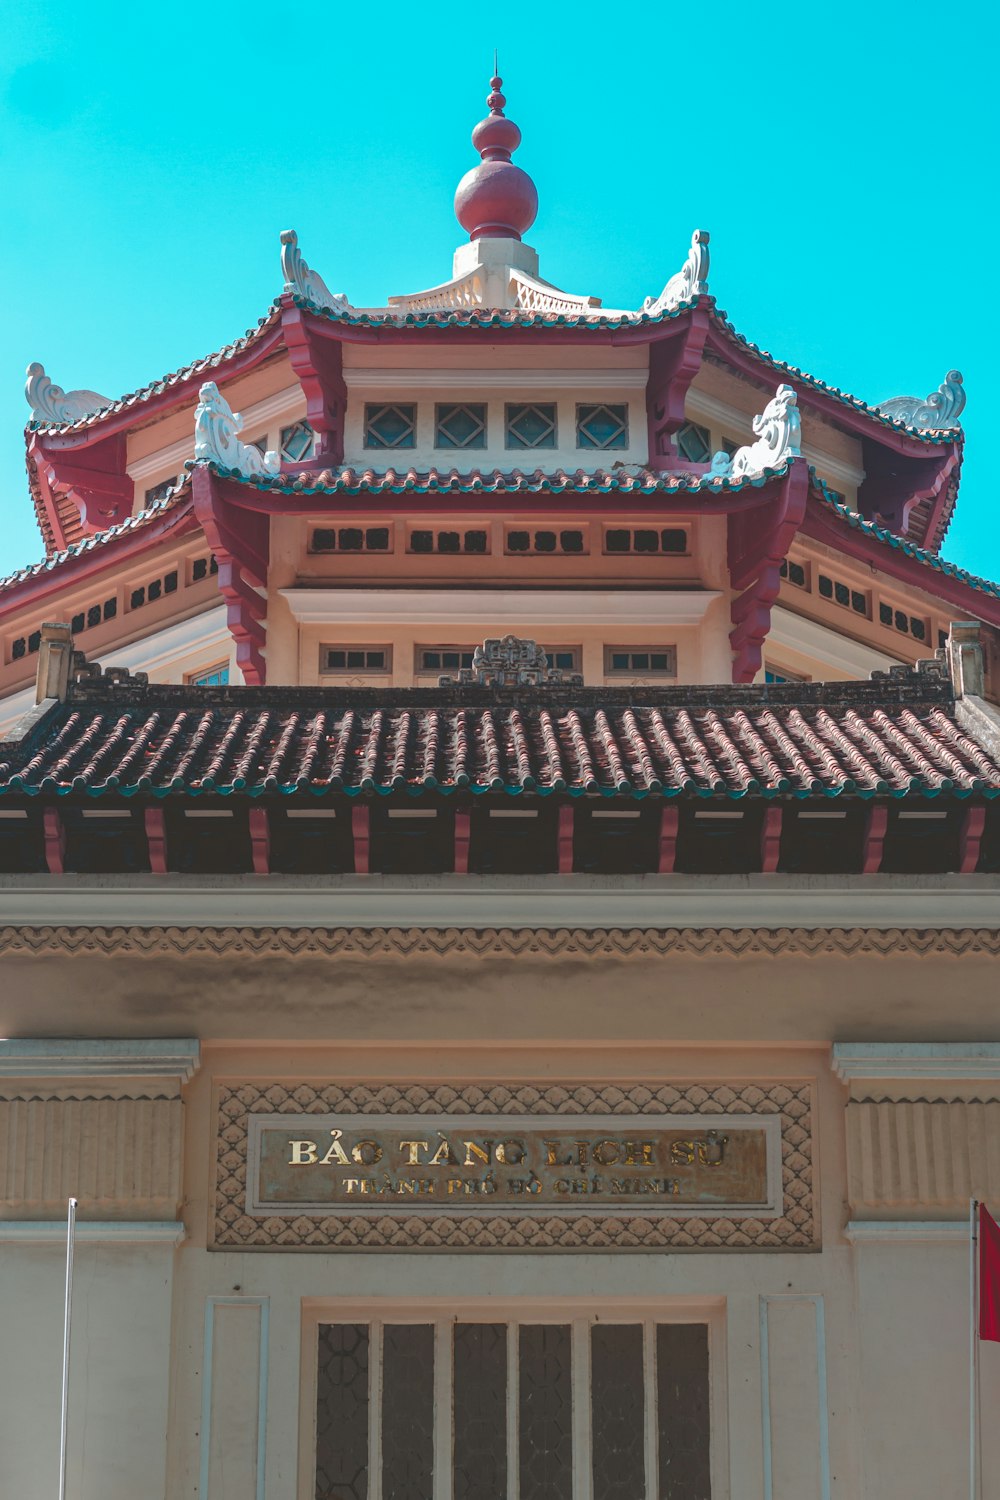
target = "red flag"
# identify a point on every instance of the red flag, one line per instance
(989, 1276)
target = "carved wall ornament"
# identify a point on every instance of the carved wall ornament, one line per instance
(689, 283)
(942, 408)
(216, 429)
(50, 403)
(306, 282)
(778, 429)
(510, 660)
(794, 1227)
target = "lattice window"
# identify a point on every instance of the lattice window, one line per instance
(460, 426)
(643, 539)
(843, 594)
(602, 426)
(470, 1410)
(531, 425)
(160, 491)
(794, 572)
(203, 567)
(901, 621)
(390, 426)
(356, 659)
(448, 541)
(297, 442)
(545, 541)
(694, 443)
(640, 661)
(350, 539)
(156, 588)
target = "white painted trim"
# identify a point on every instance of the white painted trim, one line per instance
(206, 631)
(809, 638)
(905, 1231)
(18, 714)
(28, 1057)
(399, 378)
(162, 459)
(521, 608)
(656, 901)
(94, 1231)
(968, 1060)
(211, 1303)
(821, 1390)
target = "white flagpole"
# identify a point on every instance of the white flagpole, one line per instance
(973, 1350)
(67, 1323)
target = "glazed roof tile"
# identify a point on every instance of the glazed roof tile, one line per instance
(894, 738)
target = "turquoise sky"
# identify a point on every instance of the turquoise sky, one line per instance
(842, 157)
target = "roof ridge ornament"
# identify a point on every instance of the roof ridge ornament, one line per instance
(778, 429)
(216, 429)
(302, 280)
(933, 413)
(688, 284)
(510, 661)
(50, 403)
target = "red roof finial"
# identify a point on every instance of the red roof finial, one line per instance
(496, 200)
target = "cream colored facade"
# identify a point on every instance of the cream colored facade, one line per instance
(839, 1367)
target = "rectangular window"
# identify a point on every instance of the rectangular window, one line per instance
(390, 426)
(794, 572)
(443, 658)
(842, 594)
(546, 541)
(531, 425)
(449, 542)
(904, 623)
(297, 442)
(356, 659)
(563, 659)
(640, 661)
(350, 539)
(217, 676)
(645, 540)
(514, 1415)
(460, 426)
(602, 426)
(782, 674)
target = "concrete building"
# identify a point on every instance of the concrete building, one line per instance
(501, 945)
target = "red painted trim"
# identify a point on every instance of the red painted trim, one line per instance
(156, 840)
(894, 485)
(260, 841)
(55, 841)
(95, 478)
(319, 365)
(463, 823)
(240, 541)
(673, 364)
(361, 822)
(821, 525)
(758, 543)
(874, 839)
(566, 839)
(770, 840)
(669, 820)
(970, 839)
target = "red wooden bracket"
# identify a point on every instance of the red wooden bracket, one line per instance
(319, 364)
(240, 540)
(970, 839)
(758, 543)
(463, 824)
(95, 477)
(55, 840)
(674, 361)
(260, 840)
(669, 820)
(770, 839)
(875, 826)
(156, 840)
(361, 828)
(566, 839)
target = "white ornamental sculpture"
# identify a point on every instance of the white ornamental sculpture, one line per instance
(307, 283)
(690, 282)
(941, 409)
(50, 403)
(778, 430)
(216, 429)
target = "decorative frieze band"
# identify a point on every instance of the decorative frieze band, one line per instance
(51, 1057)
(930, 1153)
(463, 942)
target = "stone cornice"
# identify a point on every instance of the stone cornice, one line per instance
(51, 1057)
(469, 942)
(108, 1232)
(938, 1060)
(902, 1231)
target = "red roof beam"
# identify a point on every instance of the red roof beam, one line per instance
(758, 543)
(673, 363)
